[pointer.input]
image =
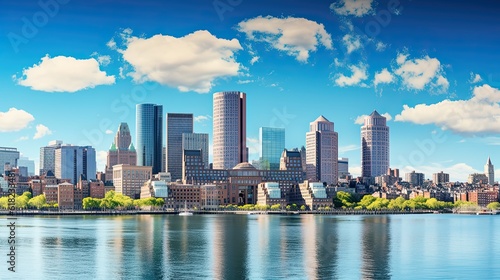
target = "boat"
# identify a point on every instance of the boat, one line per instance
(185, 212)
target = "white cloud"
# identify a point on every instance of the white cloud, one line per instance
(358, 76)
(41, 131)
(295, 36)
(478, 115)
(355, 171)
(64, 74)
(458, 172)
(357, 8)
(104, 60)
(383, 77)
(361, 119)
(22, 138)
(253, 146)
(421, 72)
(101, 160)
(109, 131)
(241, 82)
(348, 148)
(189, 63)
(254, 59)
(201, 118)
(475, 78)
(14, 120)
(352, 42)
(380, 47)
(337, 62)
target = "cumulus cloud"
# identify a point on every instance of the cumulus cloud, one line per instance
(189, 63)
(41, 131)
(108, 131)
(352, 42)
(359, 74)
(295, 36)
(254, 59)
(357, 8)
(64, 74)
(101, 159)
(418, 73)
(475, 78)
(201, 118)
(361, 119)
(380, 47)
(14, 120)
(383, 77)
(477, 115)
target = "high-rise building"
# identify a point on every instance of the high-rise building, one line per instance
(73, 161)
(8, 155)
(374, 146)
(272, 143)
(122, 150)
(177, 124)
(343, 168)
(196, 141)
(28, 163)
(128, 179)
(416, 179)
(229, 127)
(149, 135)
(322, 151)
(47, 157)
(489, 171)
(440, 178)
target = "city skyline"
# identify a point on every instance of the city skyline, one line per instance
(433, 58)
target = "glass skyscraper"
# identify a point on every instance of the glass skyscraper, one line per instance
(149, 135)
(374, 146)
(8, 155)
(73, 161)
(197, 141)
(177, 124)
(272, 144)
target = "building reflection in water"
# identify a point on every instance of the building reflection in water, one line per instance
(320, 245)
(376, 247)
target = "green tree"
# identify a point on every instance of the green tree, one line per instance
(397, 203)
(4, 202)
(275, 207)
(493, 205)
(22, 201)
(367, 200)
(28, 195)
(37, 201)
(303, 208)
(91, 203)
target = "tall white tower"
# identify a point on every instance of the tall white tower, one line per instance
(322, 151)
(374, 146)
(489, 171)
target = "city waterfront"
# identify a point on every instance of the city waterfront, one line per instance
(441, 246)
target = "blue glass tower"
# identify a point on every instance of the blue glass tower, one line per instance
(149, 135)
(272, 143)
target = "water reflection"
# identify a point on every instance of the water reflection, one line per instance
(376, 249)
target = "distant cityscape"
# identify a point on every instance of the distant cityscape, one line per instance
(180, 173)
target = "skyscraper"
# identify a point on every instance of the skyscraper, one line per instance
(196, 141)
(229, 126)
(122, 150)
(322, 151)
(149, 135)
(8, 155)
(489, 171)
(272, 143)
(177, 124)
(374, 146)
(28, 163)
(47, 157)
(73, 161)
(343, 167)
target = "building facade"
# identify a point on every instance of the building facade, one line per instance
(272, 143)
(489, 171)
(440, 178)
(73, 161)
(229, 129)
(196, 141)
(374, 146)
(8, 155)
(149, 135)
(322, 152)
(29, 164)
(48, 157)
(343, 168)
(128, 179)
(122, 150)
(416, 179)
(177, 124)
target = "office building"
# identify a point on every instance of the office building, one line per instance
(440, 178)
(374, 146)
(272, 143)
(129, 179)
(229, 129)
(73, 161)
(8, 155)
(48, 158)
(29, 164)
(196, 141)
(177, 124)
(122, 150)
(322, 152)
(489, 171)
(414, 178)
(343, 168)
(149, 136)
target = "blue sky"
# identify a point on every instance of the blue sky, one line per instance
(73, 70)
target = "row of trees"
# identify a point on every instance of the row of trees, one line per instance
(26, 201)
(113, 200)
(256, 207)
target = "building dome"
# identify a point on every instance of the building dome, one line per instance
(244, 166)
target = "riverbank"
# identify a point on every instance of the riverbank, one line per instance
(204, 212)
